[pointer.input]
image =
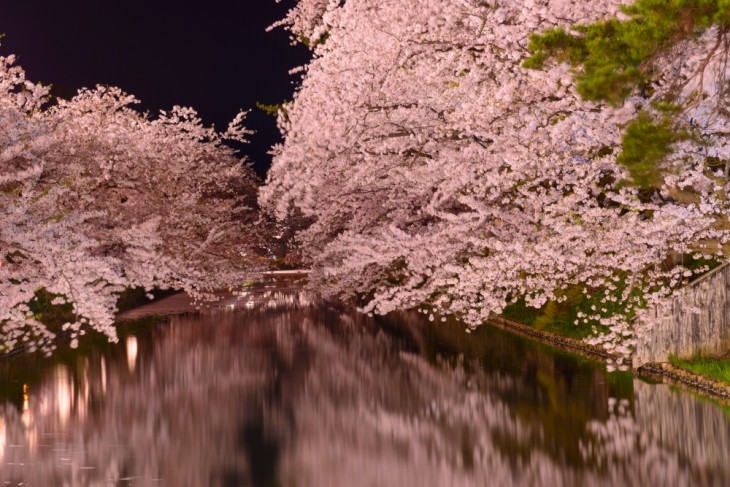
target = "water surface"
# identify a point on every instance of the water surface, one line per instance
(274, 389)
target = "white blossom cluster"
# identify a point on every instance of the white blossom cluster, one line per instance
(307, 22)
(96, 197)
(442, 173)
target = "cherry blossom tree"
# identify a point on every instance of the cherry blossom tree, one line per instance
(442, 173)
(96, 197)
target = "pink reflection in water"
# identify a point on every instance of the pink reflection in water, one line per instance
(294, 391)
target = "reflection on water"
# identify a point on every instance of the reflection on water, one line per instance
(131, 342)
(278, 390)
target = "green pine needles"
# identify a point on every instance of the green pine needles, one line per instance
(646, 143)
(613, 58)
(616, 56)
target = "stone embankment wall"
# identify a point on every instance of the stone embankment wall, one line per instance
(696, 320)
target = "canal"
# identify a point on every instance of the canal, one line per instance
(276, 388)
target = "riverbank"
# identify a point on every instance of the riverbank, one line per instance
(687, 379)
(560, 341)
(666, 372)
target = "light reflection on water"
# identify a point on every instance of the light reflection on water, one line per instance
(131, 342)
(281, 390)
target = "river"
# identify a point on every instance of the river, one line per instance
(275, 388)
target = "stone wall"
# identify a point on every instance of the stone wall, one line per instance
(695, 320)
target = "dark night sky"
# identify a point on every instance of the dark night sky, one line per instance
(214, 56)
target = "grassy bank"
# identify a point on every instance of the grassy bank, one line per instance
(552, 317)
(714, 368)
(569, 317)
(566, 318)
